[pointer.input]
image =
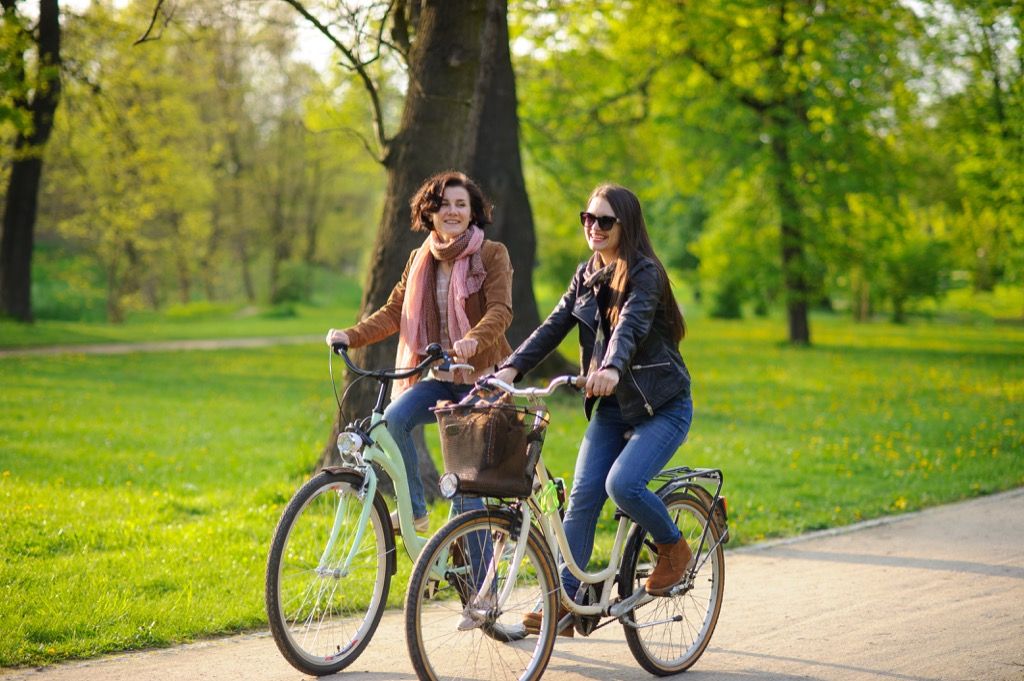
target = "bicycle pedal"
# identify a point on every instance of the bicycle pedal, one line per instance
(677, 590)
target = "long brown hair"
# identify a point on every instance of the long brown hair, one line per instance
(427, 200)
(634, 243)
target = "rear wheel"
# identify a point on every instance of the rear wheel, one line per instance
(673, 631)
(321, 614)
(457, 624)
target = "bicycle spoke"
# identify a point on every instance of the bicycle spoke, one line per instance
(321, 618)
(661, 643)
(464, 631)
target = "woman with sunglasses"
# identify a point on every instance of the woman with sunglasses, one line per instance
(456, 290)
(629, 331)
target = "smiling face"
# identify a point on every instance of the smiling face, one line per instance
(452, 218)
(605, 244)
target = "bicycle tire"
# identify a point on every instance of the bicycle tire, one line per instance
(441, 584)
(685, 622)
(322, 620)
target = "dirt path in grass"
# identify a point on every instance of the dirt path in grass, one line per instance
(160, 346)
(927, 596)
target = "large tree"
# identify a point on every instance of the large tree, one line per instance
(37, 89)
(742, 122)
(459, 112)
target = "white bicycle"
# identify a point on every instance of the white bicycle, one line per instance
(457, 609)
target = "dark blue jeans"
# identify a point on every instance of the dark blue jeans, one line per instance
(411, 409)
(618, 460)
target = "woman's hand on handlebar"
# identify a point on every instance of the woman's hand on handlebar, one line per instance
(602, 383)
(464, 348)
(508, 375)
(337, 337)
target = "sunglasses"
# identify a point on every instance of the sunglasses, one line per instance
(603, 222)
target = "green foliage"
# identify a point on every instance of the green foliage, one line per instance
(15, 40)
(749, 116)
(209, 163)
(338, 307)
(151, 483)
(280, 311)
(67, 286)
(200, 309)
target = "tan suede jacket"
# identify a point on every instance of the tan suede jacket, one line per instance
(489, 311)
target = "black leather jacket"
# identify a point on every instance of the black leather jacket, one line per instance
(651, 370)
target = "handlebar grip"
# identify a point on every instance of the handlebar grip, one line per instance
(579, 382)
(338, 347)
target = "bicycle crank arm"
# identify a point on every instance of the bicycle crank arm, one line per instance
(625, 619)
(619, 609)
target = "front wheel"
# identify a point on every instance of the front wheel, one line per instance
(323, 612)
(672, 632)
(468, 596)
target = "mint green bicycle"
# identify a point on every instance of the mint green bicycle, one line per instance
(332, 556)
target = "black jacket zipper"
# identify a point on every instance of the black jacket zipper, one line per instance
(647, 404)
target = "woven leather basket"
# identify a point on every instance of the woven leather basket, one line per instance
(491, 447)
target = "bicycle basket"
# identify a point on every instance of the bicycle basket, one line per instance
(492, 448)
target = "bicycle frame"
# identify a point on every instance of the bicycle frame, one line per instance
(554, 534)
(381, 448)
(550, 523)
(384, 451)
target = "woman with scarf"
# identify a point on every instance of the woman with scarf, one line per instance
(629, 329)
(456, 290)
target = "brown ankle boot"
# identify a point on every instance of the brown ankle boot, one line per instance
(673, 561)
(531, 621)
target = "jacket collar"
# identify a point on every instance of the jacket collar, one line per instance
(594, 275)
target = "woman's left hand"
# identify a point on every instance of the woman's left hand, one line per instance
(602, 383)
(465, 348)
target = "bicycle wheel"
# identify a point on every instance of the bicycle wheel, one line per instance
(321, 615)
(463, 616)
(673, 631)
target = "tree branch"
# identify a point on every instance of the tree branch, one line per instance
(360, 68)
(152, 23)
(748, 99)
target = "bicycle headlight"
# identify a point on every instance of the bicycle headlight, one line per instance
(449, 485)
(350, 447)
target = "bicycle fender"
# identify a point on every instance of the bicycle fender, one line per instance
(704, 498)
(389, 530)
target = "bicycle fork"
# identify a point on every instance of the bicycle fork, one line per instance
(484, 603)
(367, 491)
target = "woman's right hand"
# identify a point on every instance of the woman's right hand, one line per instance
(336, 336)
(508, 375)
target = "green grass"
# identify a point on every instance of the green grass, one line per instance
(138, 493)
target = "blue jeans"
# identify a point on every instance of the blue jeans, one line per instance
(411, 409)
(618, 460)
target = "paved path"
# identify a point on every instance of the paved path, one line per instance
(159, 346)
(936, 595)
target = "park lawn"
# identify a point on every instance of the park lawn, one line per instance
(138, 493)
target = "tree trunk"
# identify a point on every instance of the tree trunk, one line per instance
(794, 260)
(21, 207)
(439, 130)
(498, 168)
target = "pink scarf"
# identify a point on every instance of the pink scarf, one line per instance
(420, 303)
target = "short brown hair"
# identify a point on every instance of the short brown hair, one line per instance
(427, 200)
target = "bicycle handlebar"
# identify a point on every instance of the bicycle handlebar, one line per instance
(435, 353)
(572, 381)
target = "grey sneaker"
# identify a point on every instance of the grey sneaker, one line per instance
(421, 525)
